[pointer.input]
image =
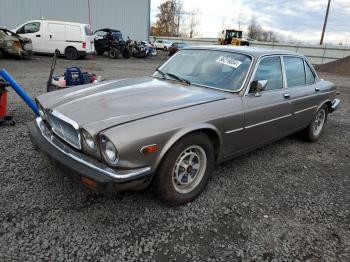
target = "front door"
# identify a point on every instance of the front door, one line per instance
(33, 31)
(268, 114)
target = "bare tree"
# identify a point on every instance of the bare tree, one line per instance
(169, 18)
(193, 22)
(255, 30)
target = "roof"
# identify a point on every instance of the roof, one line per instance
(253, 51)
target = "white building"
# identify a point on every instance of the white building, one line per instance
(132, 17)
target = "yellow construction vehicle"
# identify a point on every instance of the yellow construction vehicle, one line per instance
(232, 37)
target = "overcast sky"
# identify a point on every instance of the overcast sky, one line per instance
(301, 19)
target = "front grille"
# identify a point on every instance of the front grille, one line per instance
(64, 130)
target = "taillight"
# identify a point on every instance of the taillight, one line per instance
(84, 44)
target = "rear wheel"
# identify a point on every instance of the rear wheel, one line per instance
(313, 132)
(72, 53)
(2, 54)
(113, 53)
(165, 49)
(185, 170)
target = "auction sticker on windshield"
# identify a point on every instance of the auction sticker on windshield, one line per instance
(229, 61)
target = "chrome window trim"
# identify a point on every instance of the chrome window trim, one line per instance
(105, 171)
(246, 93)
(224, 51)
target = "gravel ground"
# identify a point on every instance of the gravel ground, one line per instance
(286, 202)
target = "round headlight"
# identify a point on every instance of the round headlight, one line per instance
(89, 140)
(109, 151)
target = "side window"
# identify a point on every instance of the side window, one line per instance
(310, 76)
(294, 70)
(270, 69)
(29, 28)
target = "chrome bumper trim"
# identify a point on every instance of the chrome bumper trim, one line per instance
(335, 104)
(117, 175)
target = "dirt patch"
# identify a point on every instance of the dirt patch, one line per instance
(339, 67)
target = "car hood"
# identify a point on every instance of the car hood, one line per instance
(103, 105)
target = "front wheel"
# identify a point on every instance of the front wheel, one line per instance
(165, 49)
(113, 53)
(315, 129)
(185, 170)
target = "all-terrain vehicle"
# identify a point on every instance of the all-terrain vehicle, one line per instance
(13, 44)
(111, 41)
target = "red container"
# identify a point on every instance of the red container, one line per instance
(3, 104)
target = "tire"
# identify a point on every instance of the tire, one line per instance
(165, 49)
(126, 53)
(71, 53)
(113, 53)
(2, 54)
(171, 184)
(315, 129)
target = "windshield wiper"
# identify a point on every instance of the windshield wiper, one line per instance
(179, 78)
(161, 72)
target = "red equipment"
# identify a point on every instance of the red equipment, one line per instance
(4, 119)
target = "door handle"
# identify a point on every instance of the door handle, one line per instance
(38, 35)
(317, 89)
(50, 36)
(286, 95)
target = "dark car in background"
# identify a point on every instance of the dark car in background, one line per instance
(111, 41)
(176, 47)
(14, 44)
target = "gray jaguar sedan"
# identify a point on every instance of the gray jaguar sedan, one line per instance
(203, 106)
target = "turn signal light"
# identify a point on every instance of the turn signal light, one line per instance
(149, 149)
(88, 181)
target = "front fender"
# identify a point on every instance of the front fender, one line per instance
(183, 132)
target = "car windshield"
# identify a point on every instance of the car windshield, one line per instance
(216, 69)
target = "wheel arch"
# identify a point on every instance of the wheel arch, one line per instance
(326, 102)
(211, 131)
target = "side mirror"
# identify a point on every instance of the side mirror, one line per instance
(258, 86)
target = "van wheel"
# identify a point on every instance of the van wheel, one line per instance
(113, 53)
(185, 170)
(2, 54)
(71, 53)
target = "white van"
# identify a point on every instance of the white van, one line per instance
(73, 40)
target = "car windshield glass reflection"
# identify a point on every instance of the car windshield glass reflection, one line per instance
(216, 69)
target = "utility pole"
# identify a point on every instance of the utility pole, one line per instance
(325, 22)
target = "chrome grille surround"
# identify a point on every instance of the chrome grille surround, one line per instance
(65, 128)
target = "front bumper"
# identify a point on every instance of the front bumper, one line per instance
(335, 105)
(107, 179)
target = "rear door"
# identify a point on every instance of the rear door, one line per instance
(301, 85)
(268, 115)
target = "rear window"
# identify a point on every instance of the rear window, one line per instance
(88, 30)
(295, 71)
(310, 76)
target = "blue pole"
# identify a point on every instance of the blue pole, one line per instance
(6, 76)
